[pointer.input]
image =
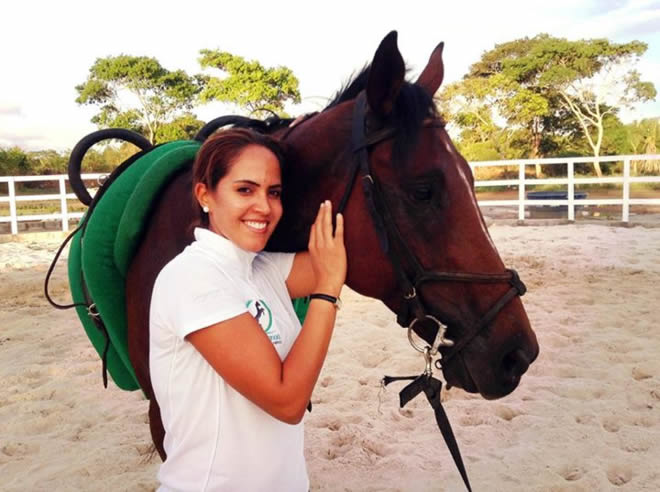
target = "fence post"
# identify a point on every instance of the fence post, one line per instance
(63, 205)
(625, 210)
(521, 191)
(571, 191)
(12, 206)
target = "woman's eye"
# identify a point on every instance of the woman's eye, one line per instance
(276, 193)
(244, 189)
(422, 193)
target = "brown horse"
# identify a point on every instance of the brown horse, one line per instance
(415, 236)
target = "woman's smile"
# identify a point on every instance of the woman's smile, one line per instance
(256, 226)
(246, 204)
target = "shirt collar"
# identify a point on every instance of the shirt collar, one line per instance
(225, 251)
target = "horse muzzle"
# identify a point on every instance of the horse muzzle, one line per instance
(492, 373)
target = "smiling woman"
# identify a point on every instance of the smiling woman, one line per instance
(227, 353)
(240, 187)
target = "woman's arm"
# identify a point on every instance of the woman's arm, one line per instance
(301, 281)
(239, 350)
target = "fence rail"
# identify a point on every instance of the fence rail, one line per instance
(522, 183)
(570, 181)
(63, 215)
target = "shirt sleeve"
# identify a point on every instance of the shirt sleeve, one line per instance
(191, 297)
(282, 262)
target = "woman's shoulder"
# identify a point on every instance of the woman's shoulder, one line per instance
(275, 257)
(280, 262)
(187, 264)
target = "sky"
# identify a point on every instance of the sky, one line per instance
(47, 47)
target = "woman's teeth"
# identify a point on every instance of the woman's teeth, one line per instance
(256, 225)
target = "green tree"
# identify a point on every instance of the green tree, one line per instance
(589, 79)
(247, 83)
(644, 138)
(492, 114)
(48, 162)
(182, 128)
(15, 162)
(136, 92)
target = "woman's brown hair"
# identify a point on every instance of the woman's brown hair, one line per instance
(219, 152)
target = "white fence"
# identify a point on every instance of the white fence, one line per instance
(63, 215)
(570, 181)
(521, 183)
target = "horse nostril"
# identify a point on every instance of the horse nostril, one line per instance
(515, 363)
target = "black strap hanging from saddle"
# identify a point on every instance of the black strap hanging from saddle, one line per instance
(89, 304)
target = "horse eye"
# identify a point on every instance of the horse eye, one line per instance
(422, 193)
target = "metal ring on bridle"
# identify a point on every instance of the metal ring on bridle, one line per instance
(410, 331)
(440, 340)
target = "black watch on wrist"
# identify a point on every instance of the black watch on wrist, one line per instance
(336, 301)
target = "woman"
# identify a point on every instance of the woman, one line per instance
(231, 367)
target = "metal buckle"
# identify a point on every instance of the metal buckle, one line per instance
(428, 359)
(412, 295)
(92, 312)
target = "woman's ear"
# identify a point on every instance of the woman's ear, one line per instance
(200, 193)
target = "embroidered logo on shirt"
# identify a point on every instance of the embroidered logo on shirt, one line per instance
(261, 312)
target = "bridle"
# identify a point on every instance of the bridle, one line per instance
(413, 309)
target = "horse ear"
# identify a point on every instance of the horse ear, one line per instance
(432, 75)
(385, 76)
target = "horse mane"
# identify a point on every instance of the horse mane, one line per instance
(412, 106)
(269, 125)
(351, 88)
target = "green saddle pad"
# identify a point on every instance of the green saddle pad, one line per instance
(102, 251)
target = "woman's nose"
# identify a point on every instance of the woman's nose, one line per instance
(262, 204)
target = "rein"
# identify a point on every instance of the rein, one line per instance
(413, 307)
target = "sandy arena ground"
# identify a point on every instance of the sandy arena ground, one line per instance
(586, 417)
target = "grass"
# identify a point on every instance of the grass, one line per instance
(37, 207)
(42, 208)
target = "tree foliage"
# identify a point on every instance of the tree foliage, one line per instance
(183, 127)
(138, 93)
(14, 162)
(643, 137)
(261, 90)
(555, 89)
(18, 162)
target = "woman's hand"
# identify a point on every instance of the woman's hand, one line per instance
(327, 251)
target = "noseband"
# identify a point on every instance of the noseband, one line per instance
(413, 309)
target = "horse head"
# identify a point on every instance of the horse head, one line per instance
(415, 236)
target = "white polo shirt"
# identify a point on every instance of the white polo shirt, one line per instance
(216, 439)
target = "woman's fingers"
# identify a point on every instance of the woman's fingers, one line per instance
(316, 228)
(322, 227)
(312, 237)
(327, 250)
(327, 222)
(339, 230)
